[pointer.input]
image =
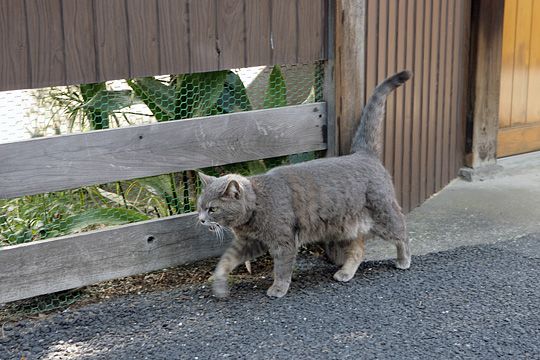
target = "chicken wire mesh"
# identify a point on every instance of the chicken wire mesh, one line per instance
(91, 107)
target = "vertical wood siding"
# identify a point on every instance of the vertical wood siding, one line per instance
(423, 137)
(61, 42)
(519, 108)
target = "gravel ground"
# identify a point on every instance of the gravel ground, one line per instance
(470, 302)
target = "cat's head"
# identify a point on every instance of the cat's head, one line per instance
(225, 201)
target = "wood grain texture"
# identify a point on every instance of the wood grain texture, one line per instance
(310, 30)
(231, 36)
(441, 100)
(284, 36)
(400, 100)
(433, 97)
(416, 85)
(518, 139)
(507, 59)
(426, 83)
(143, 30)
(465, 93)
(522, 49)
(202, 23)
(98, 157)
(486, 69)
(73, 261)
(454, 90)
(173, 36)
(382, 48)
(349, 69)
(45, 42)
(258, 23)
(372, 44)
(112, 39)
(533, 105)
(391, 68)
(445, 153)
(63, 42)
(79, 41)
(14, 69)
(408, 112)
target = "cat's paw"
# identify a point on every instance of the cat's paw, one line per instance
(343, 276)
(277, 291)
(403, 263)
(220, 288)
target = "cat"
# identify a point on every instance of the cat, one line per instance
(338, 200)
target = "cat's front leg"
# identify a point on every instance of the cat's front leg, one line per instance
(239, 252)
(284, 261)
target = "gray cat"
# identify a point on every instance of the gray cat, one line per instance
(337, 200)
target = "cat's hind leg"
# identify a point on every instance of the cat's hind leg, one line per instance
(390, 225)
(354, 254)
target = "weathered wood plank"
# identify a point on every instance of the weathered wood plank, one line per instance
(73, 261)
(79, 41)
(143, 29)
(518, 139)
(284, 37)
(349, 68)
(522, 49)
(231, 34)
(112, 39)
(14, 69)
(97, 157)
(259, 51)
(486, 79)
(173, 36)
(202, 30)
(45, 42)
(311, 30)
(507, 62)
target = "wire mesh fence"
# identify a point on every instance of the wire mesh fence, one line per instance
(113, 104)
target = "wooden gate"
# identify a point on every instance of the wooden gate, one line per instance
(424, 132)
(519, 113)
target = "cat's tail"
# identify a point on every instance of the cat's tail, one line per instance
(368, 135)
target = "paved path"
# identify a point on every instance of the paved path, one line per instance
(472, 292)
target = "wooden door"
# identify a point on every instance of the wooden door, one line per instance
(519, 112)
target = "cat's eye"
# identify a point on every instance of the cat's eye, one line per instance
(212, 209)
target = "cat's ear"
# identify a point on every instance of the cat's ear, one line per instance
(233, 190)
(206, 179)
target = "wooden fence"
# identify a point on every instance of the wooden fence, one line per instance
(58, 42)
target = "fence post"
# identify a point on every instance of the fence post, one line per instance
(486, 52)
(347, 42)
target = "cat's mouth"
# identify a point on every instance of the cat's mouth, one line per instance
(216, 229)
